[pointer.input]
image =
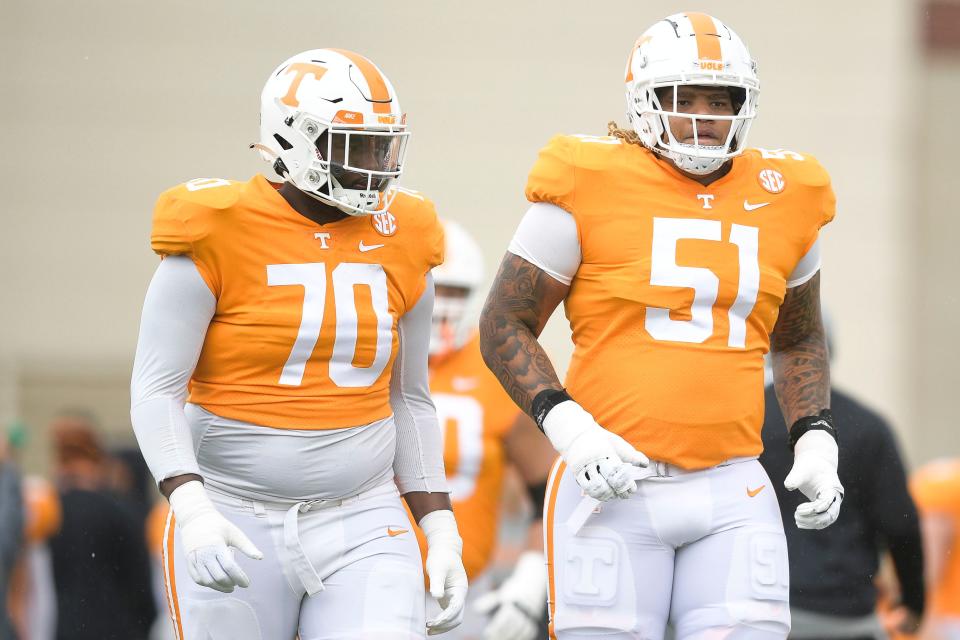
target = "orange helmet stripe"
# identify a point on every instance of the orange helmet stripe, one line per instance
(642, 40)
(378, 86)
(708, 40)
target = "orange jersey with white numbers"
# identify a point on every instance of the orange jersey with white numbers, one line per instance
(305, 329)
(679, 288)
(936, 490)
(475, 414)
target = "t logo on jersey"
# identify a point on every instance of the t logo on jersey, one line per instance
(384, 223)
(705, 198)
(301, 69)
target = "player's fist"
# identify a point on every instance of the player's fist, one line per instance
(814, 473)
(446, 576)
(208, 540)
(600, 460)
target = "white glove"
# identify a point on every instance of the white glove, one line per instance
(445, 572)
(207, 537)
(518, 604)
(599, 459)
(814, 472)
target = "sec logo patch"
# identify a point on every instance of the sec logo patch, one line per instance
(384, 223)
(771, 180)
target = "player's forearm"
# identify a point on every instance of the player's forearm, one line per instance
(518, 307)
(421, 503)
(169, 484)
(798, 349)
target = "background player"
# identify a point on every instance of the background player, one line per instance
(681, 258)
(300, 318)
(484, 433)
(936, 489)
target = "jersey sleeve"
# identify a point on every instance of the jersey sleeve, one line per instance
(822, 199)
(552, 178)
(182, 225)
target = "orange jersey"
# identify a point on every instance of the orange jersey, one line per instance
(678, 288)
(305, 328)
(936, 490)
(476, 414)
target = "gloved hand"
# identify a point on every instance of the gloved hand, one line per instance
(517, 606)
(599, 459)
(207, 539)
(814, 472)
(445, 572)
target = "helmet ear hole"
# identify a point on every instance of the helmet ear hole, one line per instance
(280, 168)
(282, 142)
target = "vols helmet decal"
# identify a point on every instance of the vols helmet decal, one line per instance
(690, 49)
(331, 125)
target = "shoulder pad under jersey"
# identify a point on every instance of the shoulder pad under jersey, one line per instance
(415, 217)
(184, 214)
(553, 176)
(803, 173)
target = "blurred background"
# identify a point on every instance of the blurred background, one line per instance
(106, 104)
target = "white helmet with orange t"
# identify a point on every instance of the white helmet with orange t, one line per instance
(690, 49)
(457, 283)
(331, 125)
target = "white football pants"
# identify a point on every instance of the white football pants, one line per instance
(704, 548)
(334, 569)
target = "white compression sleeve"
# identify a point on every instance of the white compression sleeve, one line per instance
(418, 465)
(176, 313)
(807, 267)
(547, 238)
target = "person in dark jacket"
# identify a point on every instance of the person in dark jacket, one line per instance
(832, 572)
(100, 562)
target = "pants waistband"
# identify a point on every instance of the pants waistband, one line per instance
(259, 506)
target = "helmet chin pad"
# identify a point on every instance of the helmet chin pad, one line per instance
(693, 164)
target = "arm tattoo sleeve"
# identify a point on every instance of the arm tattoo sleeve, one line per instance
(519, 304)
(801, 369)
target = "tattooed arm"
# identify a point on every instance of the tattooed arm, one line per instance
(798, 348)
(519, 304)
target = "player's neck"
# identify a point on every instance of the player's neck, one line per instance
(310, 207)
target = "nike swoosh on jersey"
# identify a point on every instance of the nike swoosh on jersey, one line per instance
(752, 207)
(396, 532)
(753, 492)
(369, 247)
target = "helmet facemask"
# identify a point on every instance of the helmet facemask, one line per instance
(451, 319)
(650, 119)
(355, 168)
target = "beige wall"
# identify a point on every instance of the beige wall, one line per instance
(108, 103)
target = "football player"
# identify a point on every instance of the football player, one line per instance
(681, 257)
(280, 384)
(483, 433)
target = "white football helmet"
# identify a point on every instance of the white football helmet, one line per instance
(331, 125)
(455, 316)
(690, 49)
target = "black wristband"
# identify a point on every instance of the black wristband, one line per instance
(823, 421)
(544, 401)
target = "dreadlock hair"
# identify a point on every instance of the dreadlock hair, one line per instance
(627, 135)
